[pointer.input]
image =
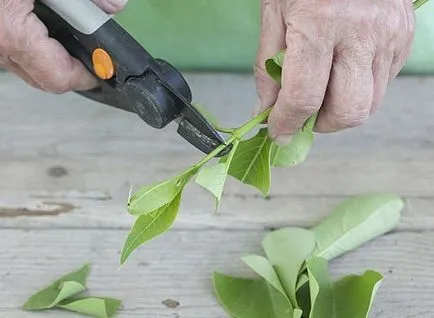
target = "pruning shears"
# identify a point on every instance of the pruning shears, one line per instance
(130, 78)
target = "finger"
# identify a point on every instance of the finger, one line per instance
(17, 70)
(381, 73)
(399, 60)
(272, 40)
(305, 75)
(111, 6)
(350, 92)
(405, 43)
(47, 62)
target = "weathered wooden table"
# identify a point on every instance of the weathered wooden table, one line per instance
(67, 164)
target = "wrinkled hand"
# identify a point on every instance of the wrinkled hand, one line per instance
(340, 57)
(26, 49)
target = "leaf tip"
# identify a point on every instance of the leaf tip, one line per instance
(124, 257)
(27, 306)
(130, 193)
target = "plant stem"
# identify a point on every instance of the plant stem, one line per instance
(225, 130)
(237, 134)
(244, 129)
(418, 3)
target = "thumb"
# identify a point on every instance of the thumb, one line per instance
(272, 40)
(111, 6)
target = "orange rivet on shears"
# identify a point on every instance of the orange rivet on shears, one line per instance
(103, 64)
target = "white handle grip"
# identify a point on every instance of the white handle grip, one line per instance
(84, 15)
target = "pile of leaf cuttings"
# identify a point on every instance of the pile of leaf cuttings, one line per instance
(294, 279)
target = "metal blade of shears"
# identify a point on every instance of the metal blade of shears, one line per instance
(196, 129)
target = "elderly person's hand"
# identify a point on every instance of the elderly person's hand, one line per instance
(340, 57)
(26, 49)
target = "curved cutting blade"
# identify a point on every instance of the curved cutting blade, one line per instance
(196, 129)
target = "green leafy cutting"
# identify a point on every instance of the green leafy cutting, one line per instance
(62, 294)
(356, 221)
(249, 162)
(294, 278)
(92, 306)
(64, 287)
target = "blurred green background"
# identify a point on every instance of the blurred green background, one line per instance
(222, 35)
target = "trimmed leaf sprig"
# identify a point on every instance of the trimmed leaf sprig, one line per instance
(249, 161)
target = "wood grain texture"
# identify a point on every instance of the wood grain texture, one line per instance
(237, 212)
(179, 267)
(67, 165)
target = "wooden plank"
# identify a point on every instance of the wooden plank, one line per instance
(180, 265)
(98, 148)
(409, 173)
(35, 123)
(72, 210)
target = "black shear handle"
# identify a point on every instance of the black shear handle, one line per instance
(137, 82)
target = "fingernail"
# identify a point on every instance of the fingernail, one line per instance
(117, 5)
(283, 140)
(87, 82)
(118, 2)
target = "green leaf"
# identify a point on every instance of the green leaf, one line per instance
(274, 66)
(213, 178)
(303, 298)
(251, 162)
(321, 289)
(250, 298)
(287, 250)
(302, 279)
(298, 313)
(92, 306)
(150, 198)
(356, 221)
(353, 295)
(150, 225)
(418, 3)
(64, 287)
(297, 150)
(262, 266)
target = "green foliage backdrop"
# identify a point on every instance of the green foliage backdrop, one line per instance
(222, 34)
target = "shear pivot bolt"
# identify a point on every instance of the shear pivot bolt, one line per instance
(102, 64)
